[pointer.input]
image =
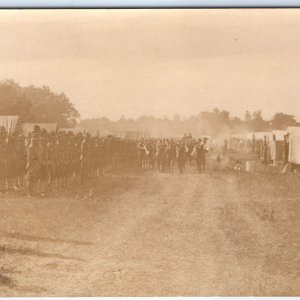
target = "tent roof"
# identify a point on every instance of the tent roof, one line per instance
(279, 134)
(293, 131)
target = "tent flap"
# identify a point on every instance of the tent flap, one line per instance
(9, 122)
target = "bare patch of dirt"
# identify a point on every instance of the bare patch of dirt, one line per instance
(217, 234)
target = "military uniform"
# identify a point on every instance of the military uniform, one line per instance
(199, 154)
(34, 163)
(3, 158)
(181, 156)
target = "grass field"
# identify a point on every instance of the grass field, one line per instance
(222, 233)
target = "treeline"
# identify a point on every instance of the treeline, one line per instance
(41, 105)
(213, 123)
(37, 104)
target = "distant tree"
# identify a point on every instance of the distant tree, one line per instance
(255, 122)
(281, 121)
(216, 122)
(48, 106)
(13, 100)
(35, 104)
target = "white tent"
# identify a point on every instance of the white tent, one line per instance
(279, 134)
(9, 122)
(294, 144)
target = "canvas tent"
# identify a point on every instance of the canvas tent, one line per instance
(28, 127)
(9, 122)
(277, 145)
(294, 144)
(279, 134)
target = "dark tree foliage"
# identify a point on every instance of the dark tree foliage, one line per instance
(255, 122)
(34, 104)
(13, 100)
(281, 121)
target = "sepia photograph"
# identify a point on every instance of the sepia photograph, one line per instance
(149, 152)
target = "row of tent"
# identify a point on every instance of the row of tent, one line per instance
(12, 124)
(260, 135)
(276, 140)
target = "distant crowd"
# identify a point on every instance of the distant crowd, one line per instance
(163, 155)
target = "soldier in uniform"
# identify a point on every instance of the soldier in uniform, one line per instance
(21, 149)
(77, 149)
(151, 149)
(52, 160)
(16, 161)
(108, 156)
(199, 154)
(44, 170)
(141, 154)
(84, 157)
(3, 159)
(11, 162)
(34, 164)
(161, 156)
(265, 151)
(170, 155)
(181, 151)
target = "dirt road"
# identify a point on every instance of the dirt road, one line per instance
(155, 235)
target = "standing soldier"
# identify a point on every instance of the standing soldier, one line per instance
(141, 154)
(44, 170)
(34, 164)
(181, 155)
(52, 160)
(265, 151)
(78, 141)
(151, 148)
(84, 157)
(100, 156)
(199, 154)
(11, 162)
(163, 155)
(3, 159)
(225, 147)
(170, 155)
(19, 164)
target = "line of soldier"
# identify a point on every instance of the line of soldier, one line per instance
(42, 161)
(163, 154)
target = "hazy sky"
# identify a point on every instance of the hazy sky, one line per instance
(157, 62)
